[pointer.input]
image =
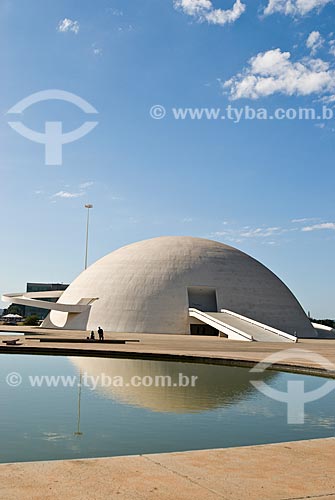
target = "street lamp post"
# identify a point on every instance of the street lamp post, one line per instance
(88, 206)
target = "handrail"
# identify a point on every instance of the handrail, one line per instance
(221, 323)
(293, 338)
(320, 326)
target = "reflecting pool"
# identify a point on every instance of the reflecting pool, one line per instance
(105, 407)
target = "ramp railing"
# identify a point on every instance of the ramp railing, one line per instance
(268, 328)
(232, 332)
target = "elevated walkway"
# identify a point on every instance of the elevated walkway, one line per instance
(32, 299)
(238, 327)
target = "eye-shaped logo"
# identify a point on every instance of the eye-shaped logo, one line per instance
(296, 396)
(53, 137)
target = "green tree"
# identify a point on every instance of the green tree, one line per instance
(14, 309)
(32, 320)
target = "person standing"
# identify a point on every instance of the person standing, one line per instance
(101, 334)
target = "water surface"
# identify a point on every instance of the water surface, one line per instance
(223, 409)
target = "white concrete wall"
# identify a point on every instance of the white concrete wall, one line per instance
(143, 288)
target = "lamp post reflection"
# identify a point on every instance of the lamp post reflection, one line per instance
(78, 432)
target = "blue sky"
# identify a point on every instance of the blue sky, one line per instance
(266, 187)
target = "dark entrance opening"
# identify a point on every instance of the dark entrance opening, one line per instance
(203, 330)
(202, 298)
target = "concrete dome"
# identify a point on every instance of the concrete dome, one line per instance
(148, 287)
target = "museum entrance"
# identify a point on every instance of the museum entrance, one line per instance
(202, 298)
(202, 329)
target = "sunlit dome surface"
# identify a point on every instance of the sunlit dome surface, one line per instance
(148, 287)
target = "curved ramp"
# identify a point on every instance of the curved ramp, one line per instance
(238, 327)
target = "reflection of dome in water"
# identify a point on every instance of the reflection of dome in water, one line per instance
(148, 287)
(216, 385)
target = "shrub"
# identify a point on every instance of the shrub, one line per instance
(32, 320)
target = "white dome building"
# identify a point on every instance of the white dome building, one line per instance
(150, 286)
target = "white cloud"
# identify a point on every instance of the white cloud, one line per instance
(68, 25)
(272, 235)
(314, 42)
(264, 234)
(332, 47)
(294, 7)
(67, 194)
(274, 72)
(97, 51)
(261, 232)
(115, 12)
(304, 220)
(85, 185)
(126, 28)
(329, 99)
(203, 10)
(319, 227)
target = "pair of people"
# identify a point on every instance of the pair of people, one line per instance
(100, 333)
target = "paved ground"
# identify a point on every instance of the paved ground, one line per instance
(182, 347)
(297, 470)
